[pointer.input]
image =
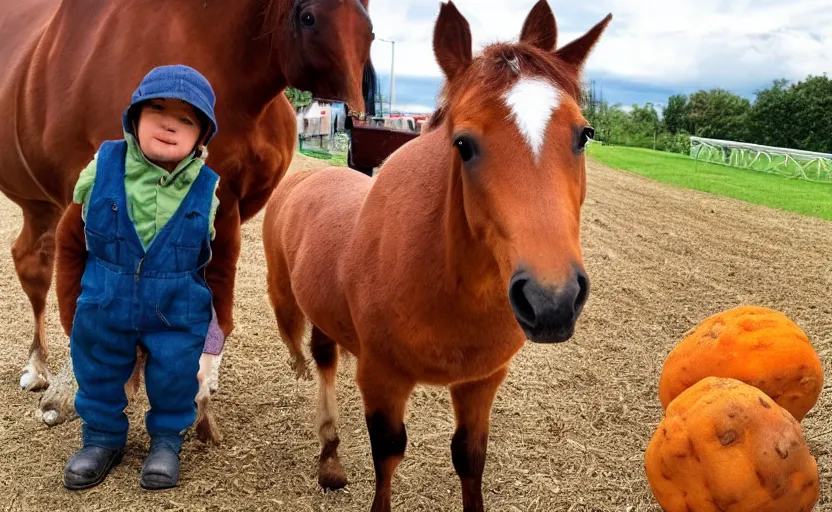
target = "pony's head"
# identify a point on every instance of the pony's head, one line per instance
(514, 119)
(325, 47)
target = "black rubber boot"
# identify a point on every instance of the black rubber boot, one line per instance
(90, 466)
(161, 467)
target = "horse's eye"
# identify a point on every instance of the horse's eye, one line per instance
(587, 134)
(307, 20)
(466, 147)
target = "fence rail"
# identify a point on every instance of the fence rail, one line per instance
(791, 163)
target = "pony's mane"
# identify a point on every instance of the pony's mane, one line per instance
(500, 66)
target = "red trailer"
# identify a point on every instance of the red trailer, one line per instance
(371, 145)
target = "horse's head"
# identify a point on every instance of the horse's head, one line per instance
(325, 47)
(514, 119)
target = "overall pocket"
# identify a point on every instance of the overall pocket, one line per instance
(102, 234)
(186, 257)
(199, 303)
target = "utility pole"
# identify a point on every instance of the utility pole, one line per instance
(392, 71)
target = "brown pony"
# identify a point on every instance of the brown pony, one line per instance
(463, 246)
(69, 68)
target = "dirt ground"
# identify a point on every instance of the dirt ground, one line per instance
(569, 426)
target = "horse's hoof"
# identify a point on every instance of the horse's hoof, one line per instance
(331, 475)
(209, 373)
(32, 379)
(207, 429)
(214, 381)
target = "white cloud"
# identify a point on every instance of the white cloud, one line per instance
(737, 44)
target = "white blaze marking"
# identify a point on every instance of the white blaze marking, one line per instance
(532, 102)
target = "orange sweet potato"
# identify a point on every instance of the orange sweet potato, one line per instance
(726, 446)
(756, 345)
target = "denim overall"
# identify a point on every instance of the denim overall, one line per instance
(155, 298)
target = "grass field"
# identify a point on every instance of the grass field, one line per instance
(333, 159)
(803, 197)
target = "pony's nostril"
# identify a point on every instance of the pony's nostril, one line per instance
(520, 303)
(583, 292)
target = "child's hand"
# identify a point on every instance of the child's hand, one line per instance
(70, 260)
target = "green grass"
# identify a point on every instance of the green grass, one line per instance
(333, 159)
(799, 196)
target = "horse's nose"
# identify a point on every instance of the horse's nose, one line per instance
(546, 314)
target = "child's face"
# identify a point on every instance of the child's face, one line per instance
(168, 131)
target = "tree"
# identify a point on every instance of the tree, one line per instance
(786, 115)
(676, 114)
(796, 116)
(719, 114)
(297, 98)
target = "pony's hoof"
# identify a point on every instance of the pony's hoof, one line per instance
(331, 475)
(51, 417)
(301, 369)
(50, 414)
(57, 405)
(32, 379)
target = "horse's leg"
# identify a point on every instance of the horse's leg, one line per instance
(472, 408)
(34, 256)
(206, 424)
(385, 397)
(221, 271)
(331, 474)
(220, 275)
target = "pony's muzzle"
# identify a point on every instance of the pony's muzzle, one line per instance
(546, 314)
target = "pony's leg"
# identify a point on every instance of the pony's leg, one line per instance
(34, 257)
(134, 383)
(385, 397)
(291, 322)
(472, 408)
(57, 405)
(331, 474)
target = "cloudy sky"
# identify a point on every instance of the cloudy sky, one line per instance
(651, 49)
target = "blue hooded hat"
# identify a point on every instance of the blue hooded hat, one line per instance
(175, 82)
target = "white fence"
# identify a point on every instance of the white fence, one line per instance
(792, 163)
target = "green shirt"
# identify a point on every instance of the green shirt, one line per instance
(153, 194)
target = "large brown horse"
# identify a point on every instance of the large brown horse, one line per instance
(70, 66)
(463, 246)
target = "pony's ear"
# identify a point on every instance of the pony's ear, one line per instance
(452, 41)
(540, 28)
(576, 52)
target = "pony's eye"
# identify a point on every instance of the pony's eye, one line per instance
(466, 147)
(587, 134)
(307, 19)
